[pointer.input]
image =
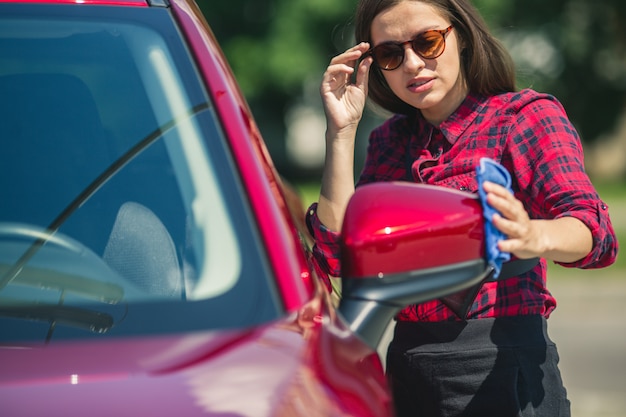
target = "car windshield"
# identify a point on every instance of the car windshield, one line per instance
(120, 209)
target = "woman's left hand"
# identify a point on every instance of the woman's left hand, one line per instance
(565, 239)
(524, 240)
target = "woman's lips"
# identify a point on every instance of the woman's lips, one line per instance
(420, 85)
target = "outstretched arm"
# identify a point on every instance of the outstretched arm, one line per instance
(566, 239)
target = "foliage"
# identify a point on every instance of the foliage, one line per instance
(275, 45)
(588, 50)
(276, 49)
(573, 49)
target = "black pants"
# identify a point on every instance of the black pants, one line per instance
(504, 367)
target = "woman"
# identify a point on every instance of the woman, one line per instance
(451, 87)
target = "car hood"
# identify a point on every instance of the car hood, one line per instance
(245, 373)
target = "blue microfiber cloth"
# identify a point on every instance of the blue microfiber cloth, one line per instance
(490, 170)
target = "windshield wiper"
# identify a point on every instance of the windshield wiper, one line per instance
(94, 321)
(93, 187)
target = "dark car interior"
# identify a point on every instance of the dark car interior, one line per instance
(94, 160)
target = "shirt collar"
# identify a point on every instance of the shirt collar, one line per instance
(458, 122)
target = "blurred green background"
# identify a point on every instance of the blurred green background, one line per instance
(574, 49)
(279, 49)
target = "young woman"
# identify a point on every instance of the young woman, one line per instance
(451, 88)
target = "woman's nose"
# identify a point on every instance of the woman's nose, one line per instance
(412, 61)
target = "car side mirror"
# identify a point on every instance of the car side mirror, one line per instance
(406, 243)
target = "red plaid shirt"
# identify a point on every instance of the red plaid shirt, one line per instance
(531, 136)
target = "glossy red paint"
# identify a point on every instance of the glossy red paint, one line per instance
(277, 370)
(127, 377)
(263, 185)
(404, 229)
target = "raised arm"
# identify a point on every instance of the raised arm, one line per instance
(344, 102)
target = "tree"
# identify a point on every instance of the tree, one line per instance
(276, 48)
(573, 49)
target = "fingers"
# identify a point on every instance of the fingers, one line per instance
(350, 56)
(505, 202)
(341, 68)
(363, 73)
(513, 221)
(496, 189)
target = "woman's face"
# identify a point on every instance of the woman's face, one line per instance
(434, 86)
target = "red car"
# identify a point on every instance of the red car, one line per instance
(153, 263)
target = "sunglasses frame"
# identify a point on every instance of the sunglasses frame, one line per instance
(402, 45)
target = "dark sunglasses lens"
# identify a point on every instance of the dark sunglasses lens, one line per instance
(388, 56)
(429, 44)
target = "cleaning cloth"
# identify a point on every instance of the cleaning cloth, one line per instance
(490, 170)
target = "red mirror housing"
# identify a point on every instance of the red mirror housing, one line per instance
(406, 243)
(400, 227)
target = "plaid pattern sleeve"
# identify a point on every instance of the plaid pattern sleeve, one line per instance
(546, 155)
(326, 250)
(530, 135)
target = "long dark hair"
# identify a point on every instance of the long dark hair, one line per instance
(485, 64)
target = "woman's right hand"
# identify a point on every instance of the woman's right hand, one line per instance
(343, 100)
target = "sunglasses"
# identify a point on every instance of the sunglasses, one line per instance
(429, 45)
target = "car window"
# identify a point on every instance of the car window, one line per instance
(119, 197)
